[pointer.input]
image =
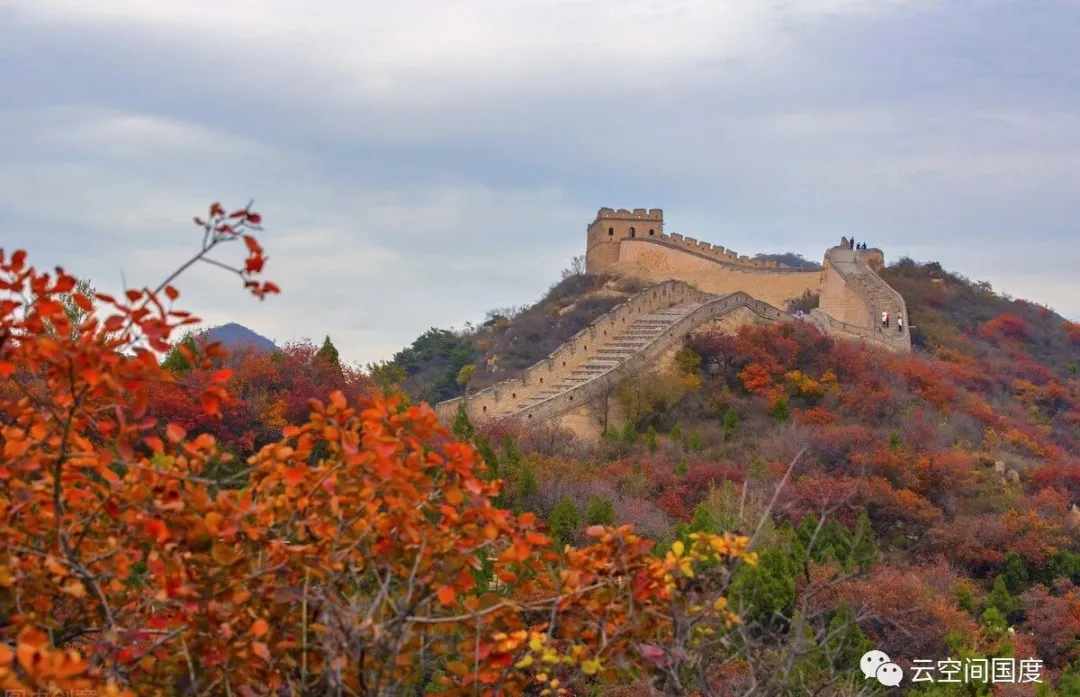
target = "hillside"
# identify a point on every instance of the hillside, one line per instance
(948, 478)
(510, 339)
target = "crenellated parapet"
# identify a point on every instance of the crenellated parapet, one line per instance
(612, 228)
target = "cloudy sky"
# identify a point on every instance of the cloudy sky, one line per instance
(418, 162)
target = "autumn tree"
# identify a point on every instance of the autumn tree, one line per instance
(346, 565)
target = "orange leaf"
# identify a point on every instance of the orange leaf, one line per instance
(261, 650)
(260, 628)
(154, 443)
(454, 496)
(446, 595)
(6, 369)
(222, 375)
(175, 433)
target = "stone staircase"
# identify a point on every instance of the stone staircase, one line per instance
(632, 337)
(613, 352)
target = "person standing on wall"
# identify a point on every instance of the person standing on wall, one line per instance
(900, 323)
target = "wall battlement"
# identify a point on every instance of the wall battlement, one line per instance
(611, 228)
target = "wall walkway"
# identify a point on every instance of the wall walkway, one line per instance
(632, 337)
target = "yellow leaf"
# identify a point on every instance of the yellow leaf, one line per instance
(457, 668)
(678, 548)
(524, 663)
(591, 666)
(74, 587)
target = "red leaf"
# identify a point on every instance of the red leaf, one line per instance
(253, 245)
(133, 295)
(82, 302)
(222, 375)
(17, 260)
(172, 293)
(446, 595)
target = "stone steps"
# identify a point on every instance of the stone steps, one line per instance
(610, 354)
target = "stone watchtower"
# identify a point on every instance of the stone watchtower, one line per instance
(611, 227)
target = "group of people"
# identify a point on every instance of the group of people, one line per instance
(853, 245)
(899, 322)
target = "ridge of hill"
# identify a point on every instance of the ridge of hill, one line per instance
(233, 336)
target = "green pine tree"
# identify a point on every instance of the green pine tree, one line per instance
(329, 353)
(863, 548)
(781, 411)
(704, 520)
(563, 520)
(730, 422)
(650, 439)
(1000, 598)
(463, 429)
(600, 512)
(1014, 573)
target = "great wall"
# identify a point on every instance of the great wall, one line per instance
(695, 286)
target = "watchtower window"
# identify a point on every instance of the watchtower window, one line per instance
(611, 232)
(633, 232)
(652, 233)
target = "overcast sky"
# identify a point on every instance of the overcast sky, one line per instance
(419, 162)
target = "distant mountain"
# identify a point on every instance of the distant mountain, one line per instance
(233, 336)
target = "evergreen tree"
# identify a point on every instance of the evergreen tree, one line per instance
(487, 453)
(780, 411)
(1015, 573)
(511, 454)
(682, 468)
(629, 434)
(527, 486)
(600, 512)
(863, 548)
(1000, 598)
(650, 439)
(703, 520)
(329, 353)
(766, 591)
(463, 429)
(563, 520)
(730, 422)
